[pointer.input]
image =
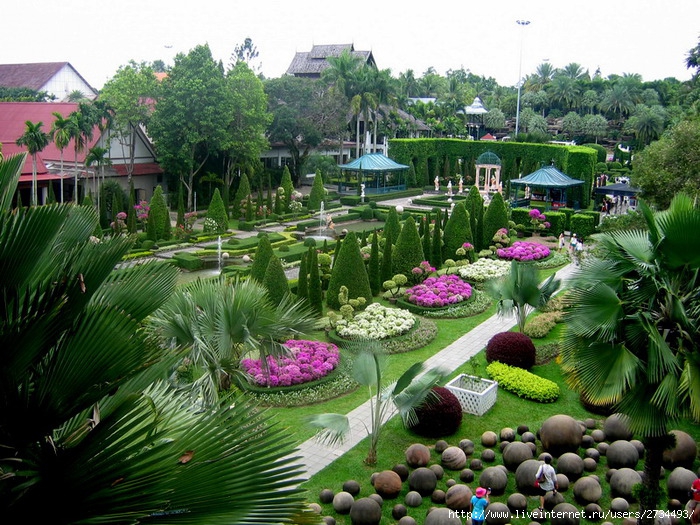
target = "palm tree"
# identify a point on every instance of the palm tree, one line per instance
(406, 394)
(574, 71)
(566, 91)
(80, 132)
(110, 441)
(520, 291)
(35, 140)
(631, 338)
(60, 131)
(218, 324)
(97, 156)
(617, 101)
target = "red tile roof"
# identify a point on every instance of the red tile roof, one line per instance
(143, 168)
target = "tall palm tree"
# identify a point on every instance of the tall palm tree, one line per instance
(617, 101)
(80, 132)
(574, 71)
(218, 323)
(631, 329)
(60, 131)
(109, 440)
(35, 140)
(97, 156)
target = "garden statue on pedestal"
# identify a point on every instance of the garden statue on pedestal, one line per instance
(437, 183)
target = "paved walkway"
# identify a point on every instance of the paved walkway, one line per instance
(315, 456)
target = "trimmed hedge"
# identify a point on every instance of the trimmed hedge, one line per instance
(583, 225)
(187, 261)
(522, 383)
(512, 348)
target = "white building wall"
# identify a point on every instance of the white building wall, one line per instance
(65, 82)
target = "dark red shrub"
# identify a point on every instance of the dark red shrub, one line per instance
(511, 348)
(440, 417)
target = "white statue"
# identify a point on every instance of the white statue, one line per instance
(437, 183)
(449, 188)
(461, 184)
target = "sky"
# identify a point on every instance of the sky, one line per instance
(484, 38)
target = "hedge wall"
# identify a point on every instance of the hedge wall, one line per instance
(583, 225)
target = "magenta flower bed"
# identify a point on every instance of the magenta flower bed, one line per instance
(309, 360)
(437, 292)
(523, 251)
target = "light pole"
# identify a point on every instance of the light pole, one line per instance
(522, 24)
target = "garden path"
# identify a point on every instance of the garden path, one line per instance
(315, 456)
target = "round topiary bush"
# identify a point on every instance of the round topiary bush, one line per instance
(511, 348)
(441, 416)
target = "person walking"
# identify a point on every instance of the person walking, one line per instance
(547, 479)
(479, 502)
(562, 242)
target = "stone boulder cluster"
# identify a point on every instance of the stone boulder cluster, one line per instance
(445, 477)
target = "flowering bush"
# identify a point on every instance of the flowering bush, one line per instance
(142, 209)
(376, 322)
(437, 292)
(464, 249)
(538, 220)
(523, 251)
(421, 272)
(484, 269)
(309, 360)
(119, 225)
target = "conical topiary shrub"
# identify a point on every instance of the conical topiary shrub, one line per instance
(349, 271)
(457, 232)
(495, 218)
(263, 254)
(408, 253)
(275, 280)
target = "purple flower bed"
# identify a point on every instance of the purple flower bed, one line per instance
(523, 251)
(437, 292)
(309, 360)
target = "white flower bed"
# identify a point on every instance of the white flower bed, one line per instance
(376, 322)
(484, 269)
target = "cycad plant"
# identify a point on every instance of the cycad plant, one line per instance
(412, 389)
(631, 338)
(90, 431)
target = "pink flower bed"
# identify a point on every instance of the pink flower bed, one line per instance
(523, 251)
(436, 292)
(309, 360)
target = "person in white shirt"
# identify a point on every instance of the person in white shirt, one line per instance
(547, 478)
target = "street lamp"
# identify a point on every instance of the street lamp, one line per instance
(522, 24)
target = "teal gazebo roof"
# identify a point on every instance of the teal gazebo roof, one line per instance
(488, 157)
(373, 162)
(547, 177)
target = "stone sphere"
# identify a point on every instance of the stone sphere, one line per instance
(438, 496)
(454, 458)
(639, 446)
(616, 427)
(417, 455)
(352, 486)
(413, 499)
(401, 470)
(326, 496)
(488, 455)
(365, 511)
(497, 513)
(592, 453)
(587, 490)
(563, 482)
(476, 464)
(489, 439)
(560, 434)
(683, 453)
(467, 445)
(587, 441)
(494, 477)
(507, 434)
(678, 483)
(458, 497)
(342, 502)
(590, 423)
(619, 505)
(622, 482)
(603, 447)
(622, 454)
(408, 520)
(525, 477)
(441, 445)
(551, 500)
(377, 498)
(328, 520)
(246, 258)
(517, 502)
(571, 465)
(522, 429)
(466, 475)
(503, 444)
(590, 464)
(398, 511)
(593, 512)
(515, 453)
(422, 480)
(609, 473)
(598, 435)
(442, 516)
(565, 514)
(387, 484)
(528, 437)
(533, 447)
(439, 471)
(450, 482)
(315, 507)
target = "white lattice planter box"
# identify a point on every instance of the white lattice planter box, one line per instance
(476, 394)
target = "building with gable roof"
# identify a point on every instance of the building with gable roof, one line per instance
(58, 79)
(310, 64)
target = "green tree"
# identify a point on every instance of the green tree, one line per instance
(263, 254)
(318, 193)
(519, 292)
(475, 207)
(426, 239)
(98, 157)
(315, 284)
(158, 216)
(303, 278)
(131, 211)
(631, 330)
(408, 253)
(100, 415)
(61, 135)
(35, 140)
(349, 271)
(495, 218)
(275, 281)
(458, 231)
(288, 186)
(386, 264)
(192, 117)
(375, 282)
(217, 212)
(242, 193)
(436, 247)
(392, 226)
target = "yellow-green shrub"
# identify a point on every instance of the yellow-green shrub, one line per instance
(523, 383)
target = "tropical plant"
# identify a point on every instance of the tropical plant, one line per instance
(218, 323)
(631, 326)
(520, 291)
(106, 425)
(60, 132)
(412, 389)
(35, 140)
